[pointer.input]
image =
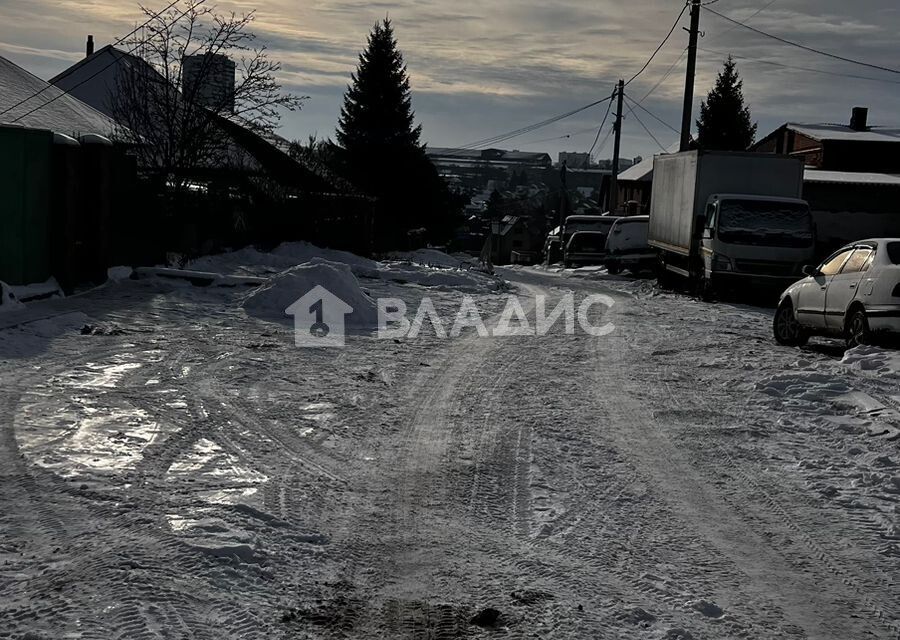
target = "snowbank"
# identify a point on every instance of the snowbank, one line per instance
(243, 261)
(873, 360)
(432, 258)
(302, 252)
(273, 298)
(469, 281)
(119, 274)
(8, 300)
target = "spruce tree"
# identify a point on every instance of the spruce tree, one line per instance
(383, 155)
(377, 115)
(724, 123)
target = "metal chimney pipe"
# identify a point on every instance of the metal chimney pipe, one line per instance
(859, 120)
(89, 49)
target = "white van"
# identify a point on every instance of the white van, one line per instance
(626, 245)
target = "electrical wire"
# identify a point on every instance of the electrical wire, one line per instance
(644, 127)
(661, 45)
(528, 129)
(747, 19)
(603, 123)
(803, 46)
(808, 69)
(651, 114)
(665, 76)
(45, 88)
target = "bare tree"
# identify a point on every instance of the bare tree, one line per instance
(170, 99)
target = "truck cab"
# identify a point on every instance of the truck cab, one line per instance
(759, 240)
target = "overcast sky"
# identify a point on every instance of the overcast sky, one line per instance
(480, 68)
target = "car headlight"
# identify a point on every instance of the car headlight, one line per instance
(721, 263)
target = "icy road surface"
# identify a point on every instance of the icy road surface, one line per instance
(186, 472)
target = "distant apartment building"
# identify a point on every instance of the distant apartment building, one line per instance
(212, 78)
(575, 160)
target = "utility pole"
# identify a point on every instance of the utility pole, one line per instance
(687, 113)
(614, 178)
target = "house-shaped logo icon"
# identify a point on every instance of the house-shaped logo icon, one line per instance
(319, 319)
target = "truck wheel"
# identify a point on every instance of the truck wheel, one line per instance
(614, 268)
(705, 289)
(858, 332)
(788, 331)
(663, 277)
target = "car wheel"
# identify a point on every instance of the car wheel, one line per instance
(858, 332)
(788, 331)
(614, 268)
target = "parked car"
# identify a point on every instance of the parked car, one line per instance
(855, 293)
(553, 250)
(586, 224)
(585, 248)
(626, 245)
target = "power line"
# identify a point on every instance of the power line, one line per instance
(119, 41)
(803, 46)
(643, 126)
(661, 45)
(528, 129)
(808, 69)
(747, 19)
(606, 139)
(602, 124)
(651, 114)
(664, 76)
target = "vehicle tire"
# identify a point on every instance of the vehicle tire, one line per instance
(614, 268)
(857, 332)
(663, 277)
(567, 264)
(787, 329)
(705, 290)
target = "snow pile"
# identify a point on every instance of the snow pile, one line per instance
(242, 262)
(461, 280)
(432, 258)
(873, 360)
(272, 299)
(8, 300)
(302, 252)
(119, 274)
(37, 291)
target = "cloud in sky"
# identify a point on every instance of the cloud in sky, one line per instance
(480, 68)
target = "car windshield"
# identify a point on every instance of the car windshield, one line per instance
(598, 224)
(588, 242)
(893, 251)
(765, 223)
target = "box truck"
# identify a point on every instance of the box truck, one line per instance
(730, 219)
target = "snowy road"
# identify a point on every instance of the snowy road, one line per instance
(195, 475)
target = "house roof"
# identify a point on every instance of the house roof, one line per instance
(840, 132)
(58, 112)
(96, 79)
(850, 177)
(641, 172)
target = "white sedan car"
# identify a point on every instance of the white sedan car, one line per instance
(855, 293)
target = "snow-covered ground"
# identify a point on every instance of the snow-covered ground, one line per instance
(173, 466)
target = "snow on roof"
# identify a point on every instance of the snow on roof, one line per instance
(63, 113)
(845, 133)
(641, 172)
(850, 177)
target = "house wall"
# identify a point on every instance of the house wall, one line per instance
(25, 171)
(879, 157)
(846, 213)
